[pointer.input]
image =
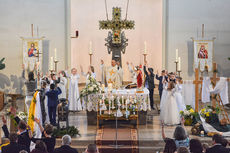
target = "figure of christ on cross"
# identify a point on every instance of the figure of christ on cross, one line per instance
(112, 74)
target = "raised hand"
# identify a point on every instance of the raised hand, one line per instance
(37, 120)
(102, 62)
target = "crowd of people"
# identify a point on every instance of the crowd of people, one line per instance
(181, 143)
(54, 87)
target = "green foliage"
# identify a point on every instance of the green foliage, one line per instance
(72, 131)
(2, 65)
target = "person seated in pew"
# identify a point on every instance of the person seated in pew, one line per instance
(13, 146)
(23, 132)
(47, 137)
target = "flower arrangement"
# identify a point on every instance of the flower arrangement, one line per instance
(72, 131)
(92, 87)
(210, 113)
(189, 115)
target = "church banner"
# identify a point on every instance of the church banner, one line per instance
(203, 54)
(32, 49)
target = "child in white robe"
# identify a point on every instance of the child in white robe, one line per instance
(74, 100)
(62, 84)
(178, 94)
(169, 109)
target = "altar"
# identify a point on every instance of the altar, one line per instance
(121, 104)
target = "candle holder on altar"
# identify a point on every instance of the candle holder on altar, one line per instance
(55, 65)
(90, 57)
(179, 71)
(176, 65)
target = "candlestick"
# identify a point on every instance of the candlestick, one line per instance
(55, 54)
(176, 55)
(145, 47)
(179, 64)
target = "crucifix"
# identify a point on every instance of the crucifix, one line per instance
(116, 41)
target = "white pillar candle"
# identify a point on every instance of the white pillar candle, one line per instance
(179, 64)
(177, 55)
(90, 48)
(51, 63)
(100, 106)
(145, 47)
(55, 54)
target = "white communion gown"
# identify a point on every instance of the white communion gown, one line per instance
(179, 99)
(169, 109)
(74, 100)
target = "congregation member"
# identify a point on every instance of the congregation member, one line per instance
(23, 133)
(182, 150)
(149, 83)
(47, 136)
(195, 146)
(92, 148)
(162, 79)
(217, 146)
(180, 135)
(31, 85)
(14, 146)
(74, 100)
(52, 95)
(170, 146)
(40, 147)
(65, 148)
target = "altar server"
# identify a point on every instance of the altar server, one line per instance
(161, 79)
(74, 100)
(149, 83)
(62, 84)
(133, 71)
(169, 109)
(89, 73)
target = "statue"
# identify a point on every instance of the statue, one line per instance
(2, 65)
(116, 41)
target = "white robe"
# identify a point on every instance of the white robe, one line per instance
(62, 86)
(169, 109)
(179, 99)
(134, 75)
(112, 75)
(74, 100)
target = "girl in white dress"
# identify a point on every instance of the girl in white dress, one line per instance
(87, 75)
(62, 84)
(74, 100)
(179, 99)
(169, 109)
(133, 71)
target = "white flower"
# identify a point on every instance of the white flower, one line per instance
(91, 89)
(186, 112)
(87, 81)
(95, 86)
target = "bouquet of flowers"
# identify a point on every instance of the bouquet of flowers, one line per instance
(23, 116)
(189, 115)
(210, 114)
(92, 87)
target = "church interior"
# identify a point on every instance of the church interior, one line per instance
(114, 76)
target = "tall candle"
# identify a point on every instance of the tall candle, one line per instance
(55, 54)
(177, 55)
(51, 63)
(179, 64)
(145, 47)
(90, 48)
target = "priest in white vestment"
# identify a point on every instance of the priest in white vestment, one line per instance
(74, 100)
(112, 74)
